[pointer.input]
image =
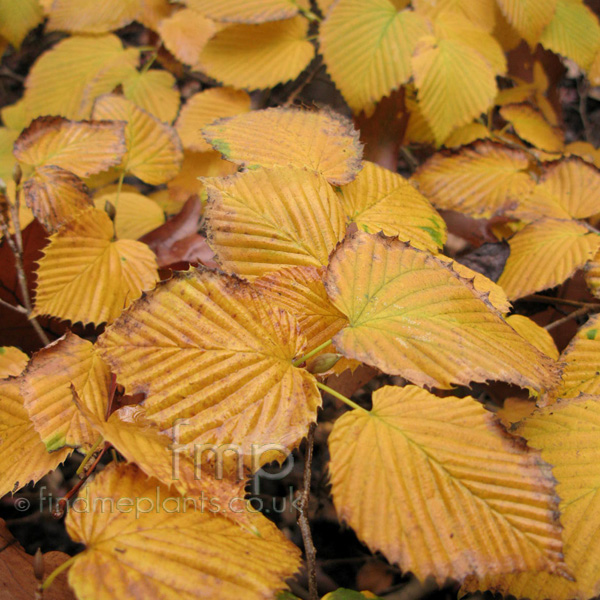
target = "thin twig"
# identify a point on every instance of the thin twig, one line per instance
(18, 308)
(551, 300)
(409, 158)
(580, 312)
(303, 522)
(590, 227)
(306, 80)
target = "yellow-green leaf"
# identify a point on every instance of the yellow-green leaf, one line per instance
(209, 349)
(482, 180)
(18, 18)
(7, 159)
(86, 276)
(204, 108)
(155, 91)
(380, 200)
(12, 361)
(154, 151)
(367, 45)
(529, 17)
(544, 254)
(432, 508)
(23, 456)
(411, 314)
(174, 550)
(263, 220)
(321, 141)
(249, 11)
(91, 16)
(258, 56)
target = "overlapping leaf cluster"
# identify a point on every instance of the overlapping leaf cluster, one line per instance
(320, 253)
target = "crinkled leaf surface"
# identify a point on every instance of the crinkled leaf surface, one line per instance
(529, 17)
(91, 16)
(531, 126)
(12, 361)
(46, 387)
(210, 349)
(86, 276)
(248, 11)
(535, 334)
(321, 141)
(17, 19)
(155, 91)
(23, 456)
(412, 315)
(592, 275)
(546, 253)
(262, 220)
(171, 551)
(432, 508)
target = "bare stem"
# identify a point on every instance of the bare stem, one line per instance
(339, 396)
(303, 359)
(580, 312)
(303, 522)
(551, 300)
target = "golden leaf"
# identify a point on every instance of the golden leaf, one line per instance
(258, 56)
(12, 361)
(592, 275)
(204, 108)
(91, 16)
(154, 151)
(174, 551)
(418, 130)
(7, 159)
(263, 220)
(66, 79)
(322, 141)
(135, 216)
(83, 148)
(567, 434)
(530, 125)
(574, 32)
(584, 150)
(23, 456)
(544, 254)
(185, 33)
(301, 292)
(594, 72)
(433, 509)
(567, 189)
(221, 361)
(441, 67)
(46, 387)
(367, 45)
(55, 196)
(467, 134)
(380, 200)
(152, 12)
(249, 11)
(529, 17)
(85, 276)
(481, 180)
(155, 91)
(17, 19)
(534, 334)
(581, 358)
(412, 315)
(481, 14)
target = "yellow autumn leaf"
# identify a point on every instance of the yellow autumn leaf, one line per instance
(301, 292)
(322, 141)
(12, 361)
(574, 32)
(187, 182)
(152, 12)
(592, 275)
(91, 16)
(380, 200)
(258, 56)
(530, 125)
(467, 135)
(481, 14)
(238, 348)
(594, 71)
(205, 107)
(25, 214)
(418, 130)
(23, 456)
(86, 276)
(482, 180)
(55, 196)
(66, 79)
(154, 151)
(433, 509)
(185, 33)
(567, 189)
(440, 68)
(7, 159)
(14, 116)
(534, 334)
(155, 91)
(567, 434)
(584, 150)
(176, 550)
(367, 45)
(18, 18)
(249, 11)
(580, 362)
(135, 214)
(544, 254)
(411, 314)
(263, 220)
(83, 148)
(529, 17)
(46, 387)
